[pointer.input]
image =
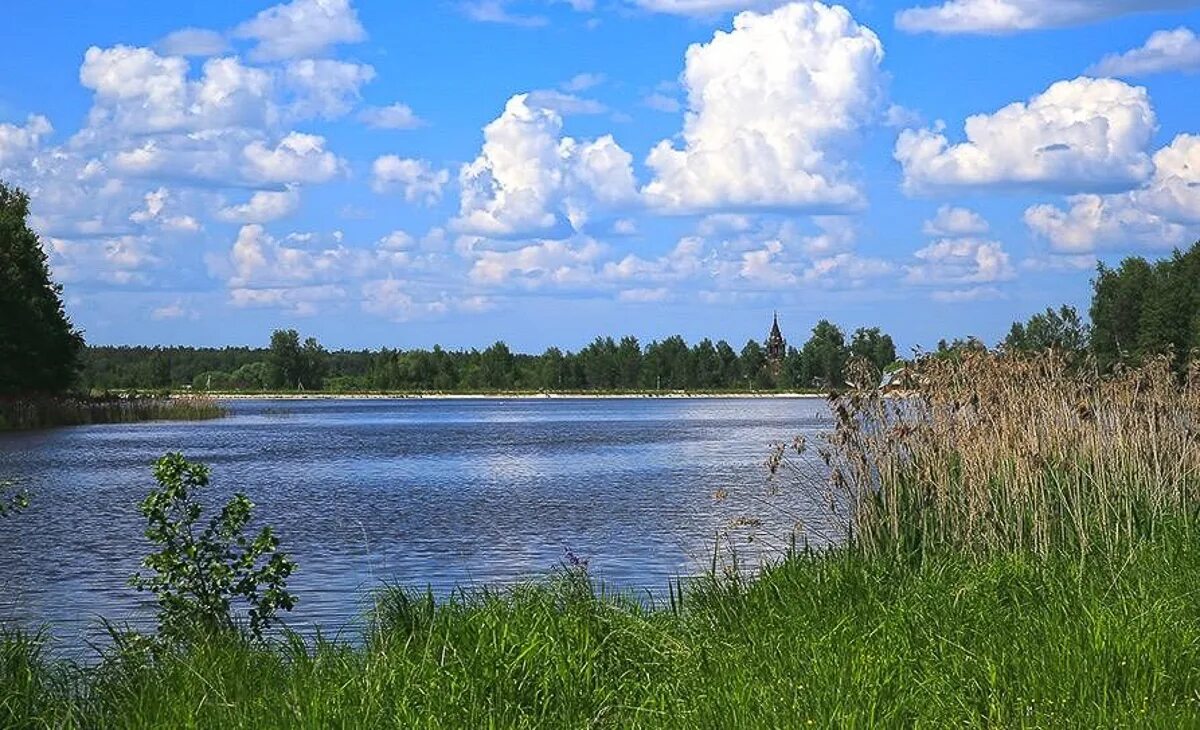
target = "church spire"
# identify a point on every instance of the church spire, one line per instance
(776, 345)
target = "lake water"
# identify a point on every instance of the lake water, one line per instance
(437, 493)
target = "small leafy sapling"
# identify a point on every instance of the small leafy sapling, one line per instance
(199, 574)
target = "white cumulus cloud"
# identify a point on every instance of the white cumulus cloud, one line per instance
(419, 180)
(296, 158)
(263, 206)
(954, 221)
(770, 106)
(960, 261)
(1165, 50)
(705, 7)
(1010, 16)
(393, 116)
(529, 178)
(301, 28)
(1164, 212)
(1084, 134)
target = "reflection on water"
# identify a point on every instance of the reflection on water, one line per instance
(416, 492)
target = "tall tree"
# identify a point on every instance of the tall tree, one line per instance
(314, 365)
(824, 356)
(872, 345)
(1117, 299)
(39, 348)
(285, 361)
(1060, 330)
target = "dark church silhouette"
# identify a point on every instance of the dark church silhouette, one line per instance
(776, 345)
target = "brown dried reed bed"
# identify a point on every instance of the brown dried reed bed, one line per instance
(991, 452)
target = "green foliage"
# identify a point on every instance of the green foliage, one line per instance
(605, 364)
(871, 345)
(1062, 331)
(291, 365)
(1141, 309)
(823, 358)
(39, 349)
(198, 574)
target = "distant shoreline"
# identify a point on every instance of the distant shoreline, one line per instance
(496, 396)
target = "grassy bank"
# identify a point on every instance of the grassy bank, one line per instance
(832, 642)
(1021, 547)
(48, 412)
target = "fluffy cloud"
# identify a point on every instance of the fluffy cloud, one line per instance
(258, 260)
(557, 262)
(401, 301)
(296, 158)
(1165, 50)
(960, 261)
(114, 259)
(952, 221)
(326, 88)
(394, 116)
(705, 7)
(193, 42)
(530, 179)
(139, 91)
(770, 105)
(18, 144)
(263, 206)
(1085, 134)
(417, 178)
(155, 211)
(1164, 212)
(301, 301)
(301, 28)
(1008, 16)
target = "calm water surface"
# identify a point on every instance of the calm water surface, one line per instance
(418, 492)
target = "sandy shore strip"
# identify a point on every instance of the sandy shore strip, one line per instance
(496, 396)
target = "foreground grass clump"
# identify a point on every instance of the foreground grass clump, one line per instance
(48, 412)
(837, 640)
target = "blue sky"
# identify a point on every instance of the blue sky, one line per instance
(380, 173)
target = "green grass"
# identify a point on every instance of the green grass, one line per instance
(836, 641)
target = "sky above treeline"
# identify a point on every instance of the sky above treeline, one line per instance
(382, 173)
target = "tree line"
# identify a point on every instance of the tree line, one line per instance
(606, 364)
(1139, 310)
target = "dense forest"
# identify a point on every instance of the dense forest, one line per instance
(607, 364)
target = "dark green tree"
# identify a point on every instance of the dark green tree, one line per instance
(873, 346)
(706, 364)
(285, 360)
(753, 365)
(313, 365)
(824, 356)
(1118, 296)
(39, 348)
(629, 362)
(1061, 330)
(496, 367)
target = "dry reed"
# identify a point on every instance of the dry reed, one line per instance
(989, 452)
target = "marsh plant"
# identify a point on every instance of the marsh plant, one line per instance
(78, 410)
(201, 572)
(988, 453)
